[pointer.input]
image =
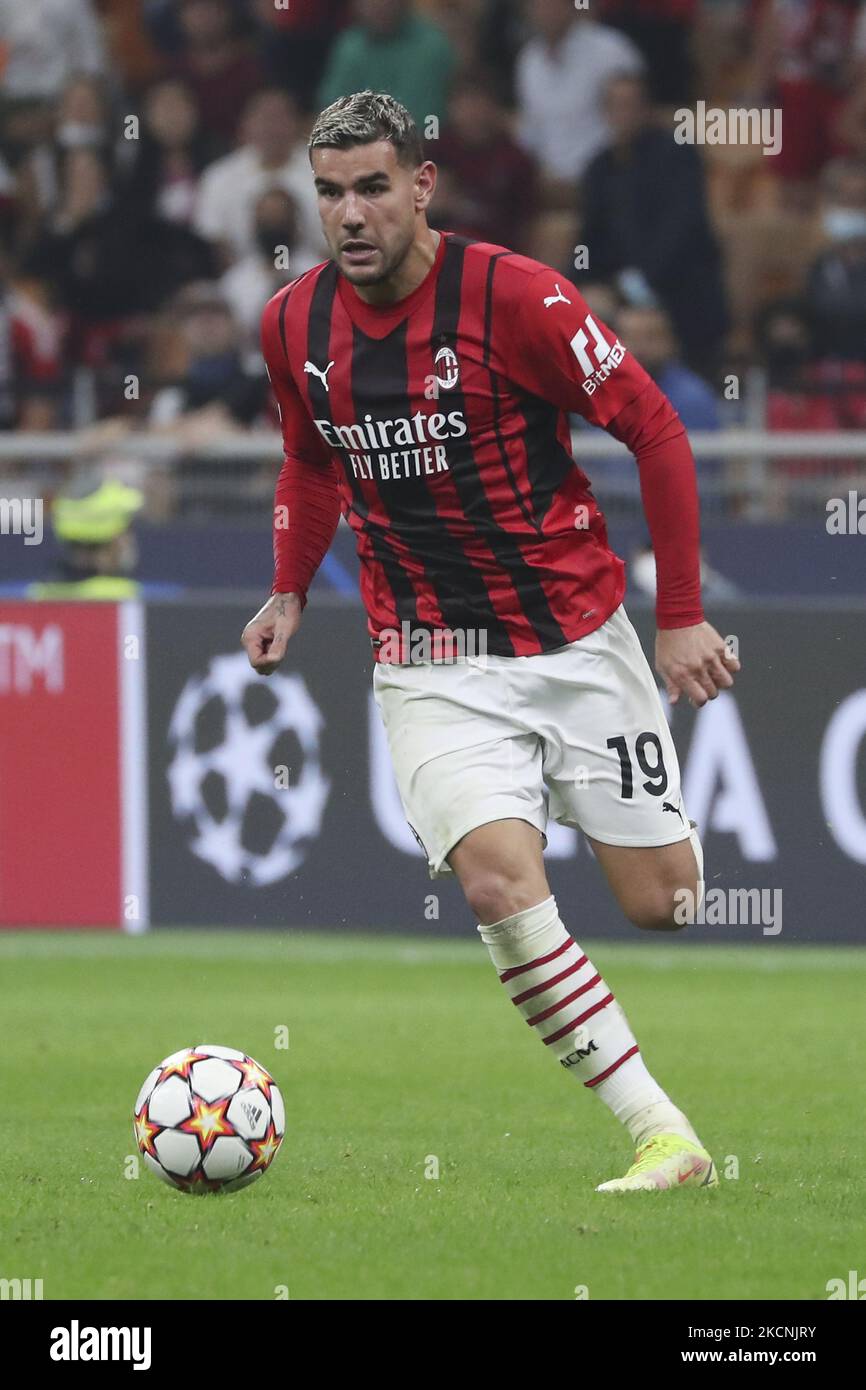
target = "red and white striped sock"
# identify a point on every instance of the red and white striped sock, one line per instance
(563, 998)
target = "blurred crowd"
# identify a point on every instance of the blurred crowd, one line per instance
(155, 190)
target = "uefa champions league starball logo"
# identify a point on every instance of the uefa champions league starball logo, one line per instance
(245, 777)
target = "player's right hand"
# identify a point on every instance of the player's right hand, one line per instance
(266, 636)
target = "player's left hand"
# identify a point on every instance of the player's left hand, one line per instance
(694, 661)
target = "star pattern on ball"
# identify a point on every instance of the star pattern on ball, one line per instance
(264, 1149)
(207, 1122)
(145, 1132)
(255, 1076)
(198, 1183)
(182, 1066)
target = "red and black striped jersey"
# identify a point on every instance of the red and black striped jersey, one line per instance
(438, 424)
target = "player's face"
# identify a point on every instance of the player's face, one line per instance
(368, 203)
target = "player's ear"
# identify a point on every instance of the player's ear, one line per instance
(425, 184)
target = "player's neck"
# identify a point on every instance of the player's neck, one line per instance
(413, 269)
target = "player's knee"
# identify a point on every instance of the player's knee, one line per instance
(494, 894)
(665, 908)
(655, 918)
(671, 901)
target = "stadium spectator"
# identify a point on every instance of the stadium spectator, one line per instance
(489, 181)
(851, 124)
(784, 343)
(131, 52)
(835, 291)
(170, 155)
(8, 192)
(662, 30)
(84, 117)
(81, 121)
(803, 66)
(161, 19)
(805, 392)
(219, 67)
(645, 215)
(293, 43)
(30, 364)
(604, 301)
(104, 264)
(502, 31)
(460, 22)
(98, 554)
(46, 43)
(216, 393)
(561, 77)
(273, 154)
(394, 50)
(648, 333)
(274, 261)
(215, 378)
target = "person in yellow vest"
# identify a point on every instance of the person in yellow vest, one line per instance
(93, 524)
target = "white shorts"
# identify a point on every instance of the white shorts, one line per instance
(476, 740)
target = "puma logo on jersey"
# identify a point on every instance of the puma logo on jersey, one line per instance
(323, 376)
(558, 298)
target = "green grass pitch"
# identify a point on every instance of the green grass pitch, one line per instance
(404, 1051)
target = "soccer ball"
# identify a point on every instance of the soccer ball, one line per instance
(209, 1119)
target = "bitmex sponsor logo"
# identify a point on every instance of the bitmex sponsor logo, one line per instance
(601, 374)
(77, 1343)
(597, 358)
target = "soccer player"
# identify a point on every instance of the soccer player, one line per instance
(424, 381)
